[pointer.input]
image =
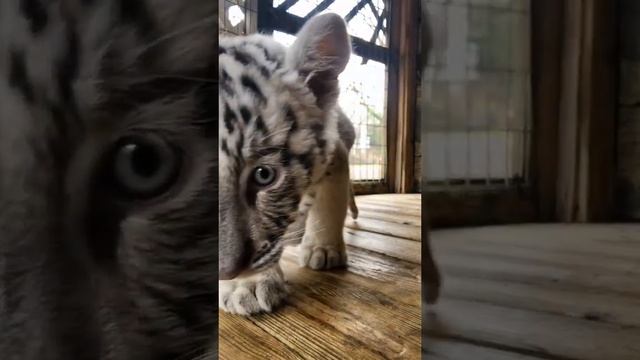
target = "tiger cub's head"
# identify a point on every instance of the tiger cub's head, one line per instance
(278, 130)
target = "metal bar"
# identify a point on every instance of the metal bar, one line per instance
(467, 109)
(265, 20)
(353, 12)
(320, 8)
(374, 10)
(378, 28)
(286, 4)
(507, 153)
(270, 19)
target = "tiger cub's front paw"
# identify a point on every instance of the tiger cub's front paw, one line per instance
(262, 292)
(321, 257)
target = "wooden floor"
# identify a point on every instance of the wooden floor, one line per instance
(537, 292)
(371, 310)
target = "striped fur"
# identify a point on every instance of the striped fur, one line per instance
(278, 108)
(86, 270)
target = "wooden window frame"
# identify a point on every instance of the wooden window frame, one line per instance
(474, 205)
(400, 58)
(484, 204)
(543, 199)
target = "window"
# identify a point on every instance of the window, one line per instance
(477, 93)
(238, 18)
(364, 81)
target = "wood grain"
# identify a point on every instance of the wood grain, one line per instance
(370, 310)
(537, 291)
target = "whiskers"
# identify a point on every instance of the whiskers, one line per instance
(294, 237)
(206, 21)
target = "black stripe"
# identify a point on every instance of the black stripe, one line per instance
(67, 67)
(251, 85)
(260, 125)
(304, 160)
(18, 77)
(136, 13)
(229, 118)
(36, 13)
(269, 57)
(248, 60)
(246, 114)
(225, 147)
(262, 152)
(240, 144)
(227, 84)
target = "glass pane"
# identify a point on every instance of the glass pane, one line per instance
(238, 18)
(476, 90)
(362, 98)
(368, 21)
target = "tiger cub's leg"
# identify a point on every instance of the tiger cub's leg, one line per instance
(323, 245)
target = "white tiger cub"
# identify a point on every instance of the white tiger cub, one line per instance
(284, 172)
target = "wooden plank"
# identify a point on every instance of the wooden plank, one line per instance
(369, 304)
(415, 197)
(474, 207)
(370, 310)
(586, 166)
(619, 241)
(370, 187)
(601, 105)
(386, 228)
(407, 207)
(546, 51)
(390, 216)
(388, 344)
(391, 246)
(548, 291)
(514, 270)
(395, 279)
(403, 43)
(596, 306)
(410, 203)
(240, 338)
(311, 338)
(535, 332)
(389, 209)
(584, 261)
(446, 349)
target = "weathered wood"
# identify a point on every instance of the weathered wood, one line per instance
(404, 249)
(546, 51)
(370, 310)
(386, 228)
(403, 43)
(586, 165)
(481, 207)
(547, 291)
(447, 349)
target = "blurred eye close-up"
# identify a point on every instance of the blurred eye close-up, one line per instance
(144, 167)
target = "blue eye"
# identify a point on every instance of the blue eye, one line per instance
(264, 175)
(144, 166)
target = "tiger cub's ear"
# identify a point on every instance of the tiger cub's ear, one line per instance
(320, 53)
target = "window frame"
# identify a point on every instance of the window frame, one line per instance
(401, 73)
(474, 205)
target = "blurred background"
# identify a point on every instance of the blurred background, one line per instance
(513, 127)
(371, 309)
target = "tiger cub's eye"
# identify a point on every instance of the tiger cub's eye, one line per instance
(144, 166)
(264, 175)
